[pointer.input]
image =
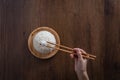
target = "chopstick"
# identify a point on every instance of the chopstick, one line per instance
(71, 50)
(61, 46)
(85, 56)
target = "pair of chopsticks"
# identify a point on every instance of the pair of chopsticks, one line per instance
(71, 50)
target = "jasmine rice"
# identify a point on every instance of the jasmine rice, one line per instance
(39, 42)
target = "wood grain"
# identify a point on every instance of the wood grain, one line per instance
(93, 25)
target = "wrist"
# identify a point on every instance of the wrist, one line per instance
(82, 75)
(79, 72)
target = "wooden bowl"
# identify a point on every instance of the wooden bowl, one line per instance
(32, 48)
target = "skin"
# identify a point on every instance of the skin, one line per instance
(80, 64)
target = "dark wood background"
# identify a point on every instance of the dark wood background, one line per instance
(93, 25)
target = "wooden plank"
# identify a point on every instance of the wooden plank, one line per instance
(112, 57)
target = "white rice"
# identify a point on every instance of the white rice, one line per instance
(41, 38)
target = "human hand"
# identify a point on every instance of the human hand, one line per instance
(80, 64)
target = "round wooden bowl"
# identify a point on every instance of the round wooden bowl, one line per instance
(34, 51)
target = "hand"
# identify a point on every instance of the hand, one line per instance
(80, 64)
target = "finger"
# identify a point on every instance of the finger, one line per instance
(83, 51)
(76, 50)
(72, 56)
(78, 53)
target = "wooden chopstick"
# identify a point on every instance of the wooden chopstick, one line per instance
(85, 56)
(62, 46)
(71, 49)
